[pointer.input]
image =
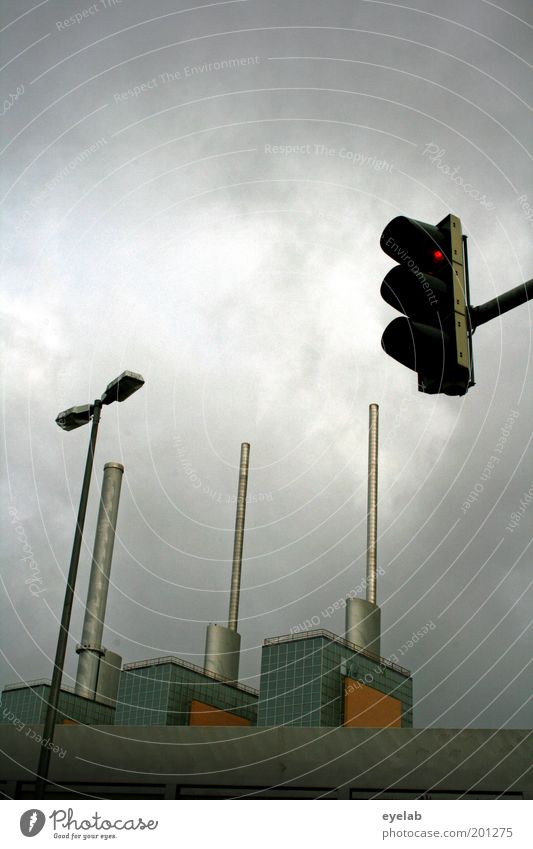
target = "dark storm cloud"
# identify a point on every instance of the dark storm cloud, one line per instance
(199, 197)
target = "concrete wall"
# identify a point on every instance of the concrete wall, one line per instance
(119, 762)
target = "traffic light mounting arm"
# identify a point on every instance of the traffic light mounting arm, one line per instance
(503, 303)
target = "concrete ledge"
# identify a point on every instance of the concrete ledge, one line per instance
(348, 761)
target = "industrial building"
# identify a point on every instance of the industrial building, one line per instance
(331, 718)
(316, 679)
(171, 691)
(313, 679)
(26, 703)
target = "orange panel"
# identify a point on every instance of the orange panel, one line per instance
(202, 714)
(365, 707)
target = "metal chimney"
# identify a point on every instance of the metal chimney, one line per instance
(239, 538)
(222, 645)
(222, 651)
(363, 616)
(90, 650)
(372, 504)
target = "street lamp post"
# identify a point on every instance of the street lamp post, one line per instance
(118, 390)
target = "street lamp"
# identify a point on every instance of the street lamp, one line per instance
(118, 390)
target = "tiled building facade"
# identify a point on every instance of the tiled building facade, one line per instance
(170, 691)
(310, 679)
(25, 703)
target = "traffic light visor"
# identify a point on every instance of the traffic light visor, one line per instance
(415, 244)
(414, 344)
(418, 295)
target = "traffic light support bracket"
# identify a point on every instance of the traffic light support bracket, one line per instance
(453, 225)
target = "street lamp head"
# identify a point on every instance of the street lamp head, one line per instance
(122, 387)
(118, 390)
(75, 417)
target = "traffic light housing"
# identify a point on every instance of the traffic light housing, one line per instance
(429, 287)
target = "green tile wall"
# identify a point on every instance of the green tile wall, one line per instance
(302, 682)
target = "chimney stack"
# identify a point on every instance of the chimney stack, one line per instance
(91, 651)
(222, 645)
(233, 618)
(363, 616)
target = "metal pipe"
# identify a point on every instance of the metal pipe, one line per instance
(372, 507)
(222, 652)
(239, 539)
(90, 650)
(503, 303)
(59, 662)
(363, 624)
(109, 669)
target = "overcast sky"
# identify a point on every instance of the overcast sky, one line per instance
(197, 195)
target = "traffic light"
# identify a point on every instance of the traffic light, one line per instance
(429, 287)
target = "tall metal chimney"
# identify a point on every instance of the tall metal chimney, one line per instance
(222, 645)
(239, 538)
(372, 508)
(363, 616)
(90, 650)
